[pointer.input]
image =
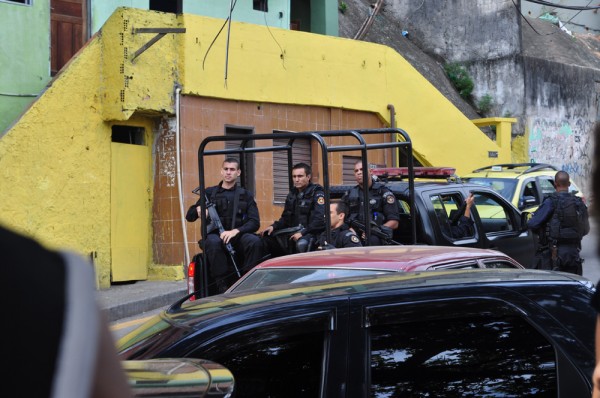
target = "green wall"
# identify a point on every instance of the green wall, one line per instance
(24, 56)
(242, 12)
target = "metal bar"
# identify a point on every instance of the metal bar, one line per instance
(160, 33)
(147, 45)
(159, 30)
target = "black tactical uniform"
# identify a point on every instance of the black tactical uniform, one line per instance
(382, 206)
(566, 241)
(246, 220)
(340, 237)
(304, 210)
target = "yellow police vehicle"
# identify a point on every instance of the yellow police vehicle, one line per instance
(523, 184)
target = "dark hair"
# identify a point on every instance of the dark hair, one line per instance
(304, 166)
(562, 178)
(232, 160)
(342, 207)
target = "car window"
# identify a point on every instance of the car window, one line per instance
(493, 214)
(448, 209)
(529, 196)
(466, 265)
(280, 360)
(547, 186)
(403, 207)
(265, 277)
(482, 350)
(498, 264)
(504, 186)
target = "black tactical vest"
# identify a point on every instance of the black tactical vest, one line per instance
(300, 204)
(224, 202)
(375, 202)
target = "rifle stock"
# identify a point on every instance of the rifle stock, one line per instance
(216, 221)
(375, 230)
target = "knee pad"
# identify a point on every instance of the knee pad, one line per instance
(302, 245)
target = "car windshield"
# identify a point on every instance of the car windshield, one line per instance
(505, 187)
(276, 276)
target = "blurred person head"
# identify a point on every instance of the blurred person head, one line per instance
(561, 181)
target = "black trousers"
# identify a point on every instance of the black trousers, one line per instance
(281, 245)
(248, 248)
(568, 259)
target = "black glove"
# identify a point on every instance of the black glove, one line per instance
(387, 230)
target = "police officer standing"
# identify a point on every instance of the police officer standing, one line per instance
(239, 215)
(560, 222)
(383, 208)
(341, 234)
(304, 211)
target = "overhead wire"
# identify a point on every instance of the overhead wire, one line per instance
(281, 55)
(549, 4)
(578, 8)
(231, 5)
(531, 26)
(227, 20)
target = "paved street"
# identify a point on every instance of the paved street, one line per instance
(591, 266)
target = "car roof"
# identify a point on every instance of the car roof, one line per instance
(513, 170)
(185, 312)
(396, 258)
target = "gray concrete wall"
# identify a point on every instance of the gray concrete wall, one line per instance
(548, 80)
(460, 30)
(484, 35)
(561, 108)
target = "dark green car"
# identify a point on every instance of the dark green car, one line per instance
(456, 333)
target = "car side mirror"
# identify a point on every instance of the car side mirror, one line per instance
(178, 377)
(527, 201)
(525, 216)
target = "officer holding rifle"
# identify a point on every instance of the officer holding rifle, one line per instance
(238, 214)
(383, 208)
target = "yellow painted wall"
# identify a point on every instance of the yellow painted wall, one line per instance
(55, 161)
(55, 164)
(285, 66)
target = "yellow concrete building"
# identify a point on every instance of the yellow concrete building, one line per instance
(94, 164)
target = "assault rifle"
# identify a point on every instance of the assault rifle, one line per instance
(216, 221)
(376, 230)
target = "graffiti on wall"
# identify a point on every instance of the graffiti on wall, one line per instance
(564, 143)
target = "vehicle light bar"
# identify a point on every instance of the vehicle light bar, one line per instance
(420, 172)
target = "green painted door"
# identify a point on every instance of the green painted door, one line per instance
(130, 212)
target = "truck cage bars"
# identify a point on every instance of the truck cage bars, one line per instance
(244, 139)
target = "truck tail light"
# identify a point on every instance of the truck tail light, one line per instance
(190, 279)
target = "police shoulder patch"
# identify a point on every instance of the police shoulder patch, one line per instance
(354, 238)
(321, 200)
(391, 199)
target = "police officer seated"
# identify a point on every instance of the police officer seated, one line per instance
(238, 213)
(341, 234)
(302, 219)
(383, 206)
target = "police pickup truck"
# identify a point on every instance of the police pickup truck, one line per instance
(439, 198)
